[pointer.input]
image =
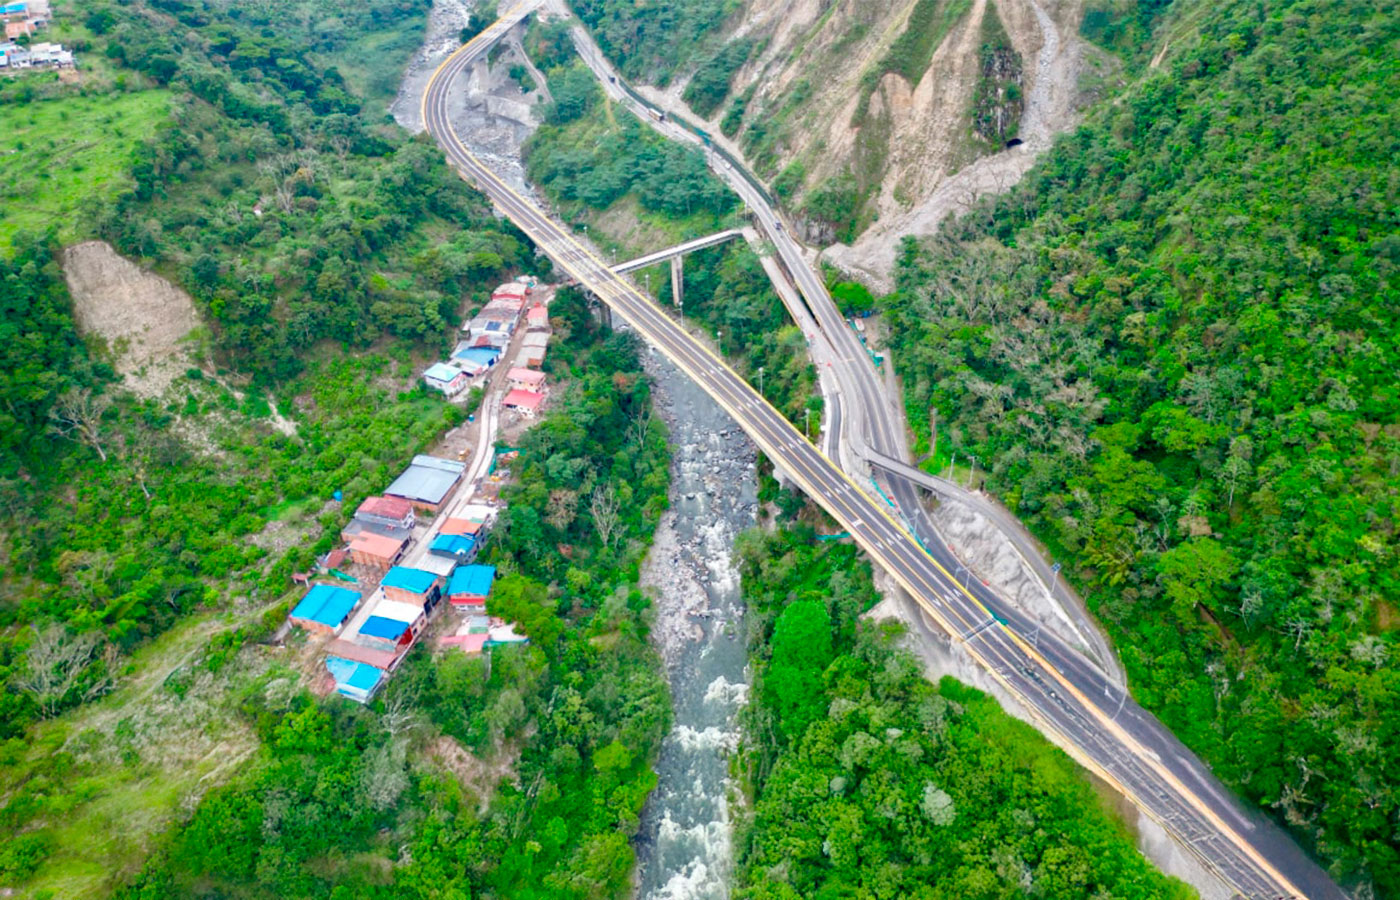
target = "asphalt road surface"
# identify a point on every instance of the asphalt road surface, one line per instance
(1164, 780)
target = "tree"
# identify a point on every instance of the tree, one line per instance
(54, 665)
(78, 416)
(605, 509)
(801, 651)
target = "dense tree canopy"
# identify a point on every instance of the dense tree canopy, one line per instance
(1174, 347)
(871, 782)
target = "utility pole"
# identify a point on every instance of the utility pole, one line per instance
(951, 464)
(807, 423)
(933, 417)
(972, 479)
(647, 276)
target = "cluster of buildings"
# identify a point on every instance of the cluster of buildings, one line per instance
(417, 544)
(373, 627)
(22, 21)
(487, 337)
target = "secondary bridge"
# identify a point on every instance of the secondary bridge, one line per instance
(1163, 780)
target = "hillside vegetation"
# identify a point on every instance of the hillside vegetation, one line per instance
(1174, 349)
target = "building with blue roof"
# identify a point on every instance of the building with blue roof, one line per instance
(415, 586)
(355, 680)
(384, 629)
(325, 608)
(461, 547)
(445, 378)
(470, 585)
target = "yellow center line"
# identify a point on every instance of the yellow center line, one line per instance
(673, 340)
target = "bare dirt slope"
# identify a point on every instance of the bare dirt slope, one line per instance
(143, 318)
(1052, 73)
(912, 149)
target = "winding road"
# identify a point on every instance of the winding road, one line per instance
(1107, 733)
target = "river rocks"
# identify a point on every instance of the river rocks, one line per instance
(685, 838)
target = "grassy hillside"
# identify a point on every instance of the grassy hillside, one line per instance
(1174, 350)
(61, 159)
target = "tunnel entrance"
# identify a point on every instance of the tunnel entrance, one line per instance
(1014, 142)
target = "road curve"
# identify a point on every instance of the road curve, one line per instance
(1246, 853)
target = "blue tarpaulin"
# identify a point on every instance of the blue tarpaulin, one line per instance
(454, 544)
(326, 604)
(355, 675)
(380, 627)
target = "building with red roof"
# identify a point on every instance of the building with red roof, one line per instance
(527, 403)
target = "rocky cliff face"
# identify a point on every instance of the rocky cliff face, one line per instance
(859, 110)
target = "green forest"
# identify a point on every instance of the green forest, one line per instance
(1173, 348)
(869, 781)
(654, 41)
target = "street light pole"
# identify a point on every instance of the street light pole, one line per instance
(760, 379)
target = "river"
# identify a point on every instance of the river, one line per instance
(685, 844)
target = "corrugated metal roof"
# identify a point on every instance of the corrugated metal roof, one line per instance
(460, 526)
(523, 399)
(473, 580)
(427, 480)
(405, 579)
(484, 355)
(380, 659)
(525, 376)
(326, 604)
(440, 371)
(469, 643)
(535, 339)
(374, 544)
(380, 627)
(387, 507)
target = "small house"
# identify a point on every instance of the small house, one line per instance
(356, 680)
(514, 290)
(526, 380)
(533, 349)
(18, 29)
(459, 547)
(428, 482)
(537, 319)
(414, 586)
(442, 377)
(491, 328)
(465, 527)
(475, 361)
(469, 586)
(394, 512)
(378, 551)
(383, 633)
(324, 609)
(527, 403)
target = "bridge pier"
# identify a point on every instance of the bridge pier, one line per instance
(678, 281)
